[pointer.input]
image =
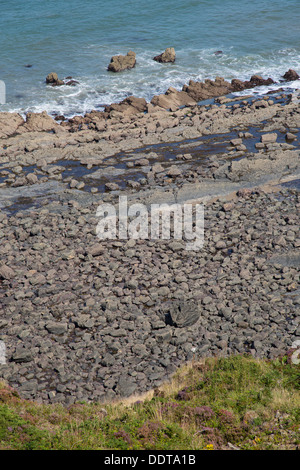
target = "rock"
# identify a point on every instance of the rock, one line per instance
(72, 83)
(173, 99)
(57, 328)
(118, 63)
(31, 178)
(6, 272)
(167, 56)
(268, 138)
(36, 122)
(200, 91)
(291, 75)
(84, 321)
(130, 105)
(126, 386)
(9, 123)
(257, 80)
(96, 250)
(52, 79)
(290, 136)
(182, 314)
(112, 186)
(173, 171)
(22, 355)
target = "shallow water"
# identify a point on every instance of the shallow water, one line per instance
(78, 39)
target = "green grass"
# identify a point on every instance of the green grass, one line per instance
(214, 404)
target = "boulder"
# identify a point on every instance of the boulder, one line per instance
(6, 272)
(291, 75)
(130, 105)
(257, 80)
(201, 91)
(183, 313)
(167, 56)
(172, 99)
(9, 123)
(118, 63)
(208, 89)
(52, 79)
(36, 122)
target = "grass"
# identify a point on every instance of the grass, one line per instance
(225, 403)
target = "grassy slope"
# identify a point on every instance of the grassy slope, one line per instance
(216, 404)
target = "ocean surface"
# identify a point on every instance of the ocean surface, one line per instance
(78, 39)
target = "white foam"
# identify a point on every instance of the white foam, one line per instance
(150, 78)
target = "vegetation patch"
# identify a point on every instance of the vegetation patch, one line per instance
(227, 403)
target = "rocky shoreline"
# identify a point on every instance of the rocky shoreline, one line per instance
(84, 320)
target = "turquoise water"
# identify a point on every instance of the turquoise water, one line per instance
(75, 38)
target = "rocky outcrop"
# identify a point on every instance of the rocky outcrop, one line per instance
(130, 105)
(36, 122)
(200, 91)
(53, 80)
(257, 80)
(291, 75)
(118, 63)
(167, 56)
(173, 99)
(9, 123)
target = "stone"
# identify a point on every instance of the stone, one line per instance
(112, 186)
(268, 138)
(57, 328)
(290, 136)
(167, 56)
(36, 122)
(173, 99)
(119, 63)
(31, 178)
(173, 171)
(9, 123)
(183, 313)
(130, 105)
(22, 355)
(291, 75)
(6, 272)
(126, 386)
(52, 79)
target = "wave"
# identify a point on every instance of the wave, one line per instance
(150, 78)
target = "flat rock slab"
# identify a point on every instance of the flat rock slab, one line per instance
(9, 196)
(290, 259)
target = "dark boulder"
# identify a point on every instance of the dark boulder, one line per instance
(291, 75)
(182, 313)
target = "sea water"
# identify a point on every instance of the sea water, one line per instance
(78, 39)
